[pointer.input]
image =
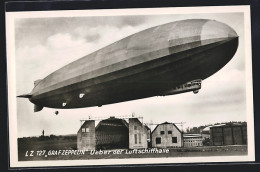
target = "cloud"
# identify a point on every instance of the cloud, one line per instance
(60, 49)
(63, 41)
(37, 61)
(27, 30)
(125, 21)
(103, 35)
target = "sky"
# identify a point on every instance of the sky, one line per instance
(43, 45)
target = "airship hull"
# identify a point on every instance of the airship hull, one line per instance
(129, 69)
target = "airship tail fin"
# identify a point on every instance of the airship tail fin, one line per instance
(25, 95)
(37, 108)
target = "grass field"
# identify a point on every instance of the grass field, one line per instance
(33, 149)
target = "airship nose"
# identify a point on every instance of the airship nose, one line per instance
(216, 30)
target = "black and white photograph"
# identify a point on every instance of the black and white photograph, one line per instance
(130, 86)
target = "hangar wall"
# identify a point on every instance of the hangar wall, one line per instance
(228, 135)
(113, 133)
(138, 134)
(86, 139)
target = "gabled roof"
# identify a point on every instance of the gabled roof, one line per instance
(167, 123)
(147, 128)
(84, 124)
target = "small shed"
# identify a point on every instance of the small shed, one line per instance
(192, 140)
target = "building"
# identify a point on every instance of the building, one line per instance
(113, 133)
(167, 135)
(228, 134)
(86, 137)
(139, 134)
(192, 140)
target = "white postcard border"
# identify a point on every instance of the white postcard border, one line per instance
(11, 16)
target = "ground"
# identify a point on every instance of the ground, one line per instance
(65, 148)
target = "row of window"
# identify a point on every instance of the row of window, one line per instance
(200, 138)
(85, 130)
(192, 140)
(193, 144)
(169, 132)
(139, 138)
(158, 140)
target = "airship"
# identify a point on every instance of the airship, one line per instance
(163, 60)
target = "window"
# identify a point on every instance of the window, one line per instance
(135, 138)
(174, 139)
(162, 132)
(139, 138)
(87, 129)
(135, 127)
(169, 132)
(83, 130)
(158, 140)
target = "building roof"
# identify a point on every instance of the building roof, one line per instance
(191, 135)
(207, 129)
(84, 124)
(167, 123)
(228, 125)
(147, 128)
(143, 125)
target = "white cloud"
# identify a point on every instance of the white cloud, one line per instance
(36, 62)
(63, 41)
(105, 35)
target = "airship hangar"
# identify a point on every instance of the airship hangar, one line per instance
(159, 61)
(133, 133)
